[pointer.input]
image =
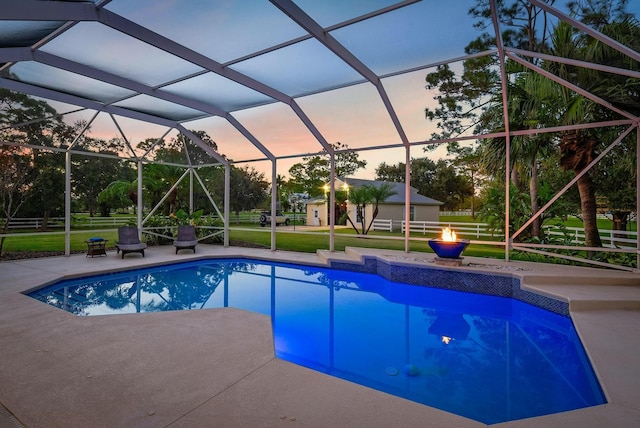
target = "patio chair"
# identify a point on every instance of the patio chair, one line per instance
(186, 239)
(129, 241)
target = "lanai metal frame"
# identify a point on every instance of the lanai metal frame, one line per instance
(66, 15)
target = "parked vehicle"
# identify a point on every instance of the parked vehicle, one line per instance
(265, 218)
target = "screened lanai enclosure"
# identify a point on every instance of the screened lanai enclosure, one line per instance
(544, 96)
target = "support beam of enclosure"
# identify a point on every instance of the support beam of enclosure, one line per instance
(571, 86)
(67, 187)
(274, 201)
(294, 12)
(128, 27)
(574, 62)
(227, 199)
(590, 31)
(638, 193)
(67, 204)
(132, 85)
(407, 193)
(332, 202)
(50, 94)
(574, 180)
(139, 199)
(132, 29)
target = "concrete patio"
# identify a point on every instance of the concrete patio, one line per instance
(216, 367)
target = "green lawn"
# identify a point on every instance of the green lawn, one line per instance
(309, 242)
(55, 241)
(603, 224)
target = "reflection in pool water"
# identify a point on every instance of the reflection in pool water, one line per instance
(492, 359)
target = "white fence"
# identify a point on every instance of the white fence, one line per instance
(463, 230)
(456, 213)
(105, 221)
(382, 224)
(58, 222)
(610, 238)
(300, 218)
(34, 223)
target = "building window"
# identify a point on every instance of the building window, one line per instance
(412, 212)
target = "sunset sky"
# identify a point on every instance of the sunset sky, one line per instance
(354, 115)
(232, 32)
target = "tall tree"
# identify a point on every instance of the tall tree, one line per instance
(92, 174)
(118, 194)
(378, 195)
(467, 160)
(475, 99)
(580, 147)
(439, 180)
(23, 121)
(47, 191)
(248, 189)
(531, 101)
(158, 179)
(180, 149)
(17, 176)
(393, 173)
(362, 196)
(359, 196)
(313, 172)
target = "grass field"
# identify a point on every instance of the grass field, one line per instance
(252, 233)
(54, 241)
(309, 243)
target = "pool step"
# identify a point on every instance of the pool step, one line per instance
(346, 256)
(585, 294)
(597, 278)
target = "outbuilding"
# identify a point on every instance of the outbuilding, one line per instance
(421, 208)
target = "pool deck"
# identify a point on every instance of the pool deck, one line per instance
(216, 367)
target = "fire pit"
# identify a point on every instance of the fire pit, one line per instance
(448, 248)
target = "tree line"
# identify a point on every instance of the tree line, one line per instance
(33, 168)
(542, 163)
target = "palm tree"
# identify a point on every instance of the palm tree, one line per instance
(578, 147)
(368, 194)
(121, 192)
(376, 196)
(359, 196)
(158, 179)
(530, 96)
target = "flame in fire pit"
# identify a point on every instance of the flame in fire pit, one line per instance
(448, 246)
(448, 235)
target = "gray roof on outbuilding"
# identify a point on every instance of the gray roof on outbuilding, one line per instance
(397, 198)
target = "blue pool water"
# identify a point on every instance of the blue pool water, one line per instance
(488, 358)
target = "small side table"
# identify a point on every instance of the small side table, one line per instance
(96, 248)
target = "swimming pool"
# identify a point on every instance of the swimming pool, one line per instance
(489, 358)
